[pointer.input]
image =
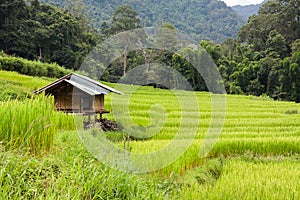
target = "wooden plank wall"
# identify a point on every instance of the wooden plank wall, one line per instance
(99, 103)
(67, 98)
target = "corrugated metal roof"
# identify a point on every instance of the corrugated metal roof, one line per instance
(83, 83)
(92, 84)
(90, 91)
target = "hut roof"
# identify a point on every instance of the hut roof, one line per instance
(81, 82)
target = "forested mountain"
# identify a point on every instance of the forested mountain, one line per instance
(202, 19)
(249, 10)
(263, 59)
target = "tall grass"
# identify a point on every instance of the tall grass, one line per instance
(249, 180)
(31, 124)
(73, 174)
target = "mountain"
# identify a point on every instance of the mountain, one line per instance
(201, 19)
(246, 11)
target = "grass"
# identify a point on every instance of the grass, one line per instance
(70, 172)
(31, 124)
(252, 124)
(248, 180)
(16, 86)
(256, 156)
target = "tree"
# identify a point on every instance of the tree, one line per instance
(276, 43)
(257, 30)
(183, 64)
(229, 47)
(75, 7)
(296, 46)
(280, 15)
(166, 38)
(44, 32)
(11, 14)
(78, 9)
(123, 19)
(295, 79)
(286, 89)
(213, 50)
(166, 41)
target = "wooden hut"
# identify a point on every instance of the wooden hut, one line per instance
(78, 94)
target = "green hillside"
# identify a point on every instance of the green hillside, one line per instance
(203, 20)
(256, 156)
(17, 86)
(168, 145)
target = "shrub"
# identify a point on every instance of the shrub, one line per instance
(33, 68)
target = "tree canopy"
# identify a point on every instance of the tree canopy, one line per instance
(263, 60)
(280, 15)
(44, 32)
(201, 19)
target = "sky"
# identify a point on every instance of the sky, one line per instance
(242, 2)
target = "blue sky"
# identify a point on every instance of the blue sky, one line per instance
(241, 2)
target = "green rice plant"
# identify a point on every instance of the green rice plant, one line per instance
(247, 180)
(31, 124)
(207, 173)
(258, 143)
(292, 111)
(17, 86)
(260, 146)
(74, 174)
(252, 125)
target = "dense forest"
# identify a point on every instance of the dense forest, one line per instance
(201, 19)
(264, 59)
(43, 32)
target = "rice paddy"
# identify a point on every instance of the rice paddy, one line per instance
(257, 156)
(31, 124)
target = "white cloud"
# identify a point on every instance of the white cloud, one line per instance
(242, 2)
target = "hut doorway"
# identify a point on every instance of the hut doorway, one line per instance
(86, 103)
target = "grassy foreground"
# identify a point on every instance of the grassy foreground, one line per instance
(32, 124)
(256, 156)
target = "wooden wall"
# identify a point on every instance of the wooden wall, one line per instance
(99, 103)
(70, 99)
(63, 98)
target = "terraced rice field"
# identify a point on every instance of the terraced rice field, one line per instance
(257, 155)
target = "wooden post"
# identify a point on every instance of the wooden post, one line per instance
(125, 60)
(102, 101)
(80, 102)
